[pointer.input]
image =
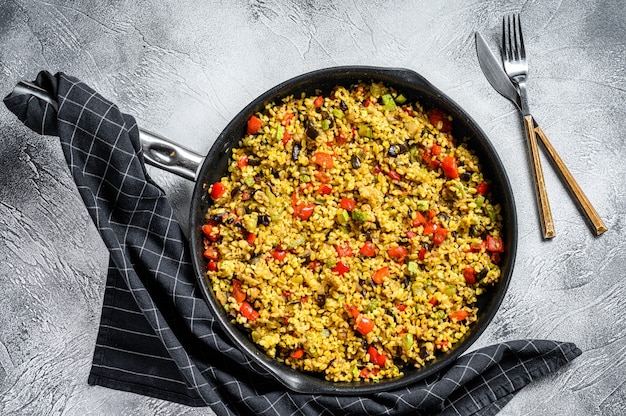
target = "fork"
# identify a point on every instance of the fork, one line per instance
(516, 67)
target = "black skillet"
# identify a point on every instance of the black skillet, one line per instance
(163, 153)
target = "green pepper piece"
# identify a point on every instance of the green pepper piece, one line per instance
(342, 216)
(279, 133)
(407, 341)
(422, 205)
(365, 131)
(359, 215)
(388, 102)
(480, 200)
(400, 99)
(492, 213)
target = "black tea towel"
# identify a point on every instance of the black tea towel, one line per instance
(157, 336)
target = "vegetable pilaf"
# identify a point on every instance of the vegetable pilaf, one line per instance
(353, 234)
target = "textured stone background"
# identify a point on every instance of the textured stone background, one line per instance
(185, 68)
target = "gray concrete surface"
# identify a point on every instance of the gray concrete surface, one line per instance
(184, 68)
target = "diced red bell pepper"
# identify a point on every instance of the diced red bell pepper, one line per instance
(483, 188)
(318, 102)
(435, 116)
(470, 275)
(278, 254)
(322, 159)
(494, 244)
(343, 251)
(440, 235)
(247, 311)
(398, 253)
(430, 228)
(379, 275)
(323, 177)
(435, 149)
(304, 211)
(353, 311)
(251, 238)
(364, 324)
(238, 293)
(324, 189)
(211, 253)
(348, 204)
(340, 139)
(297, 354)
(495, 257)
(377, 169)
(418, 220)
(459, 315)
(254, 125)
(394, 175)
(376, 357)
(341, 268)
(211, 232)
(422, 253)
(286, 137)
(287, 118)
(368, 249)
(217, 190)
(243, 161)
(449, 167)
(212, 266)
(401, 307)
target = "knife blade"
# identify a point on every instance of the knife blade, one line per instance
(494, 73)
(500, 81)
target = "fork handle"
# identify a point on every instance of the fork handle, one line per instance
(581, 198)
(545, 214)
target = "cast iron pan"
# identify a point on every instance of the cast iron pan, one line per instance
(205, 171)
(415, 88)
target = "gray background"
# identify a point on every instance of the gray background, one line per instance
(185, 68)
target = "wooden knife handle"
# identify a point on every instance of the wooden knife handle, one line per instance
(581, 198)
(545, 214)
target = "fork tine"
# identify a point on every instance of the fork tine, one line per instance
(505, 39)
(522, 50)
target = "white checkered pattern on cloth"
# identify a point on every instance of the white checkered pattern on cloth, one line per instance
(157, 336)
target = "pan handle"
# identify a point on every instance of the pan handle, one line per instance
(157, 150)
(162, 153)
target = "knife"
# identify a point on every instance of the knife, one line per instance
(500, 81)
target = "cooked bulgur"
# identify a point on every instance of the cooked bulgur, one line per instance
(353, 233)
